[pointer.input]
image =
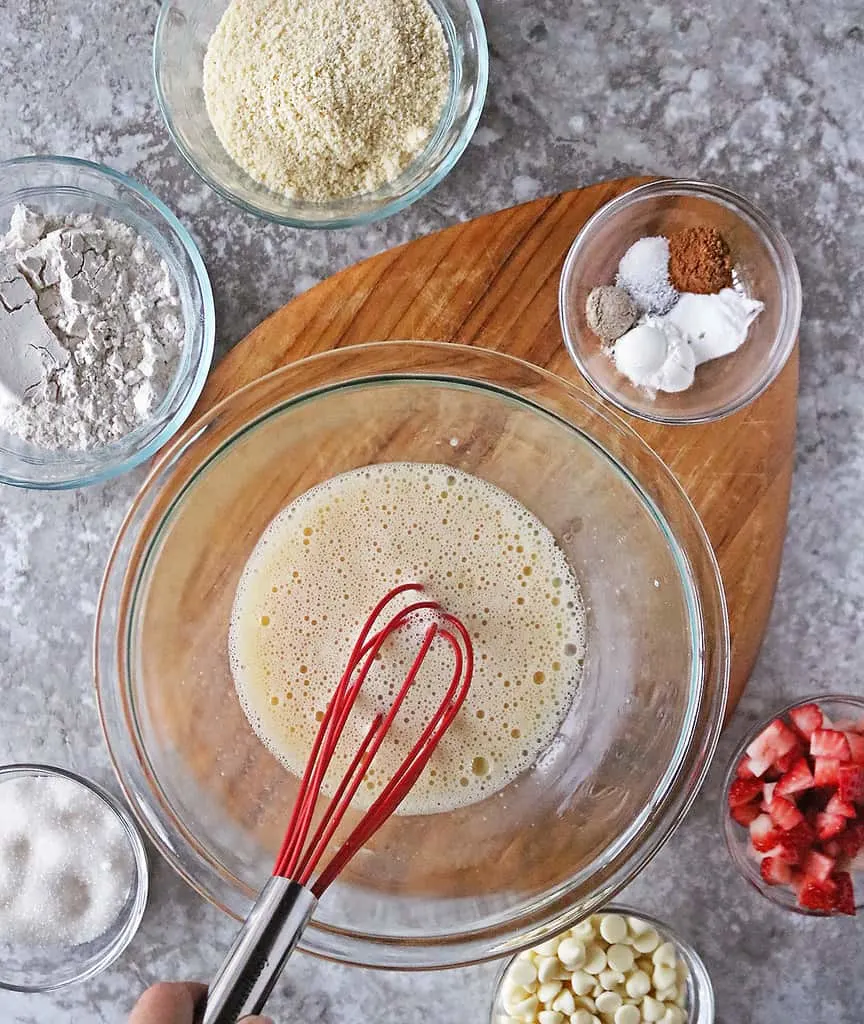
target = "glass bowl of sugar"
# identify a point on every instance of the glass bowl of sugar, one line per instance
(73, 878)
(341, 113)
(680, 302)
(107, 323)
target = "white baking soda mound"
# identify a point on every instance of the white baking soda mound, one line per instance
(330, 555)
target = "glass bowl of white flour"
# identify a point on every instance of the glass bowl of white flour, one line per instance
(324, 114)
(107, 323)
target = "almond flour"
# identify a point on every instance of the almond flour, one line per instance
(326, 99)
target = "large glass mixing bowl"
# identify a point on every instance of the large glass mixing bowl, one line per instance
(555, 845)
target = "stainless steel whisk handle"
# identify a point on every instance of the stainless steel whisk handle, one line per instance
(260, 950)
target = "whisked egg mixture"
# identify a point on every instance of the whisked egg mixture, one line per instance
(328, 557)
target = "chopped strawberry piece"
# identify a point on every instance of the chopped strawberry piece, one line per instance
(768, 794)
(829, 825)
(787, 850)
(830, 743)
(807, 719)
(832, 847)
(837, 806)
(784, 813)
(851, 840)
(745, 814)
(844, 896)
(803, 836)
(856, 746)
(815, 895)
(796, 780)
(772, 743)
(763, 835)
(851, 783)
(742, 791)
(744, 771)
(775, 871)
(818, 866)
(826, 771)
(784, 763)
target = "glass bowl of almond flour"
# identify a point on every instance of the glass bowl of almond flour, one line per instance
(107, 323)
(321, 114)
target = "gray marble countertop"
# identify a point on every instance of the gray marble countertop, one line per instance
(765, 98)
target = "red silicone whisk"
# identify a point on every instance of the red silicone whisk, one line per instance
(300, 875)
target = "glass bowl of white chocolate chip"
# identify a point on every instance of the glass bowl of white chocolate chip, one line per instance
(617, 967)
(107, 323)
(253, 554)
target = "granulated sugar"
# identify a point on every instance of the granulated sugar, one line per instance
(66, 866)
(323, 99)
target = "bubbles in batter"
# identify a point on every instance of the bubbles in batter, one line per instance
(330, 555)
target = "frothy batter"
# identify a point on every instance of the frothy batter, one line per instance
(328, 557)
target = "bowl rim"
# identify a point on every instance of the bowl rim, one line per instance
(135, 913)
(782, 257)
(387, 209)
(705, 1006)
(132, 766)
(207, 317)
(734, 834)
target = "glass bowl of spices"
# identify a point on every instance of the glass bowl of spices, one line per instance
(321, 114)
(617, 967)
(107, 323)
(680, 301)
(73, 878)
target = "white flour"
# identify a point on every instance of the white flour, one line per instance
(91, 328)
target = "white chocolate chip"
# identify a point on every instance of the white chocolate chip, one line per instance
(584, 931)
(548, 969)
(620, 958)
(609, 1002)
(582, 1017)
(668, 995)
(572, 953)
(610, 978)
(522, 972)
(513, 995)
(674, 1015)
(582, 982)
(652, 1010)
(647, 941)
(550, 1017)
(527, 1008)
(547, 992)
(628, 1015)
(637, 926)
(586, 1003)
(665, 955)
(638, 985)
(613, 928)
(549, 948)
(595, 960)
(664, 977)
(564, 1002)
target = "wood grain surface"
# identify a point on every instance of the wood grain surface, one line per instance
(493, 282)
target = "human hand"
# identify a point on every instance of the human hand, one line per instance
(175, 1003)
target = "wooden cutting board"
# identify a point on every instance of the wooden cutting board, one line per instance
(493, 282)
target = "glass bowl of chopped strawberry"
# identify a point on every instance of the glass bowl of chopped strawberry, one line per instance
(793, 816)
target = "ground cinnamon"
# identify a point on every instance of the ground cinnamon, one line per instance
(699, 261)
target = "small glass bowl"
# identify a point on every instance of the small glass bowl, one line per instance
(65, 185)
(700, 991)
(837, 707)
(765, 268)
(183, 33)
(34, 971)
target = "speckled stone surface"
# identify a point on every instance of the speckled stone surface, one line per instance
(763, 97)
